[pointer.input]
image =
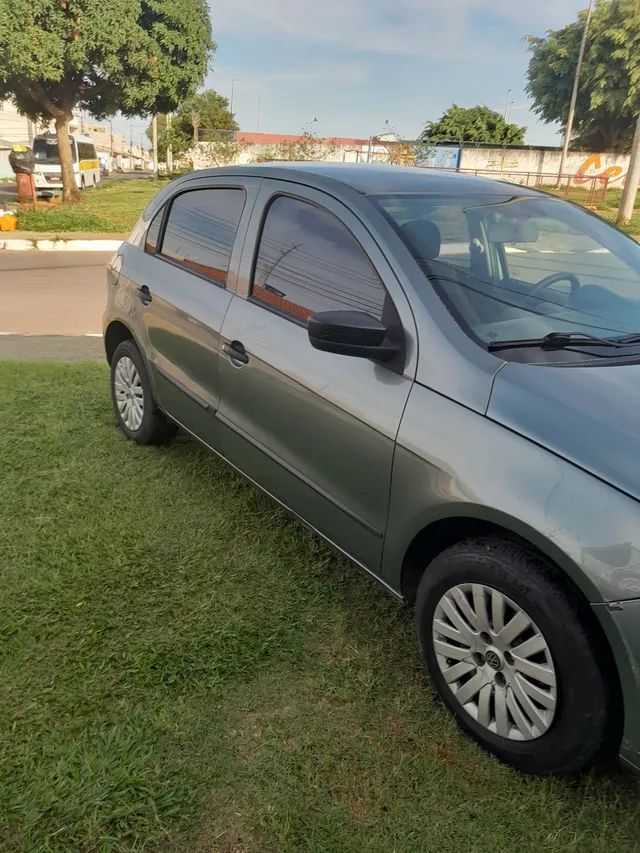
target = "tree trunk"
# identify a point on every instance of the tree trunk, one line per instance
(630, 191)
(70, 191)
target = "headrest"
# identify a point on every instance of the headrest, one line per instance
(422, 237)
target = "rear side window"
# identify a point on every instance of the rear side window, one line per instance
(308, 261)
(201, 229)
(153, 232)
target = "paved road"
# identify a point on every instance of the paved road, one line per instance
(52, 293)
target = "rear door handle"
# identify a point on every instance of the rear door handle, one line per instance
(145, 294)
(236, 352)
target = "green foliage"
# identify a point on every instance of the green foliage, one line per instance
(609, 95)
(205, 116)
(473, 124)
(132, 56)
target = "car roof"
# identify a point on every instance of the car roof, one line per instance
(375, 178)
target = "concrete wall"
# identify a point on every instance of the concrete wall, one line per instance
(546, 161)
(203, 156)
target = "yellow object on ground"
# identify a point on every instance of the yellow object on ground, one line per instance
(8, 222)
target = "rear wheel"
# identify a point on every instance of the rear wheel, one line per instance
(138, 415)
(514, 657)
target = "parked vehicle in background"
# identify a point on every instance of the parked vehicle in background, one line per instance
(48, 176)
(440, 375)
(138, 167)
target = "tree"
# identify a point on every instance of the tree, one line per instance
(306, 146)
(609, 94)
(204, 117)
(473, 124)
(132, 56)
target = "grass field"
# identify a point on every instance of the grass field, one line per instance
(116, 204)
(185, 668)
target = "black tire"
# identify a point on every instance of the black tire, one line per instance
(154, 427)
(585, 722)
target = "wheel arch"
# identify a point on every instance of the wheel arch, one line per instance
(115, 333)
(438, 534)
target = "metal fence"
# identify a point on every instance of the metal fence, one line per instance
(589, 190)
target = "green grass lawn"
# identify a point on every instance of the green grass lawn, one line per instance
(114, 205)
(185, 668)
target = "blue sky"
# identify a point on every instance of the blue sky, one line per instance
(355, 64)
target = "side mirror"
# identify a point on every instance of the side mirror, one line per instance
(351, 333)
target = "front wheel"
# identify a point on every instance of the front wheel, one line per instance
(515, 657)
(138, 416)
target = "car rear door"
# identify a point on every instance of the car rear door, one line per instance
(315, 429)
(184, 279)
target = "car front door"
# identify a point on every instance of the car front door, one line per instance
(315, 429)
(184, 279)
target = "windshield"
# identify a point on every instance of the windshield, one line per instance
(46, 151)
(522, 267)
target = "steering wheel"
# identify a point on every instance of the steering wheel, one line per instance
(544, 283)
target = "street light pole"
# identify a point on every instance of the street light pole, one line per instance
(169, 149)
(233, 86)
(574, 94)
(154, 142)
(506, 106)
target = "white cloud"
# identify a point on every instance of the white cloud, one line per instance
(410, 27)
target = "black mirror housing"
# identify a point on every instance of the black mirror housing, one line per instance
(351, 333)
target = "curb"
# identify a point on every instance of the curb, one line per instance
(60, 245)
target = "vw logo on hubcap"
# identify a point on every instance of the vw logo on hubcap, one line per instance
(493, 660)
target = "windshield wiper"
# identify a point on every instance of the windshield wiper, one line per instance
(561, 340)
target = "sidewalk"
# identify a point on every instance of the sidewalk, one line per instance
(70, 241)
(51, 348)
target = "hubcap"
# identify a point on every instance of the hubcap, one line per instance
(128, 393)
(495, 661)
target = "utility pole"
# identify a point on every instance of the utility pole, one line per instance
(506, 106)
(131, 146)
(574, 95)
(233, 85)
(154, 142)
(630, 191)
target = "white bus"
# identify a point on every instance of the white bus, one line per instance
(84, 157)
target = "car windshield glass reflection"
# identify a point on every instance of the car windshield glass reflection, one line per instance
(522, 267)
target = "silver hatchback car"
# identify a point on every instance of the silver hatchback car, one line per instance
(440, 375)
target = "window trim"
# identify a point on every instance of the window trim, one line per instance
(162, 212)
(166, 212)
(256, 251)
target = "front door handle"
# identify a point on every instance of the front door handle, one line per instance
(145, 294)
(236, 352)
